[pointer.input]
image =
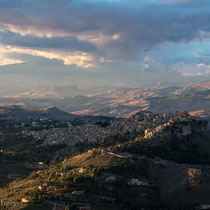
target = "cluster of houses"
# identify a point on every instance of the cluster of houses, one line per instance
(147, 123)
(179, 124)
(94, 133)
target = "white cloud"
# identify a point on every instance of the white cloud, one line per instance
(5, 60)
(191, 69)
(150, 64)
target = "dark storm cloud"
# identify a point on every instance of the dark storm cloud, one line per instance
(69, 43)
(141, 24)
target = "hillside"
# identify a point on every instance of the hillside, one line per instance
(149, 160)
(19, 113)
(58, 92)
(122, 102)
(103, 178)
(200, 86)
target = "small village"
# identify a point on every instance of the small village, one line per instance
(150, 124)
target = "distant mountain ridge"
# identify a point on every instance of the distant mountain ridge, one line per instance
(200, 86)
(70, 91)
(19, 113)
(119, 102)
(57, 92)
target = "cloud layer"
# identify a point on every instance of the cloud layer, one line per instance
(92, 33)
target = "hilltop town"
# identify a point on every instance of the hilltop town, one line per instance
(93, 162)
(150, 124)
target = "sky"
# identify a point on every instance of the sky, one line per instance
(103, 42)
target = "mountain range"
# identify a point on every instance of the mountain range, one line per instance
(57, 92)
(117, 102)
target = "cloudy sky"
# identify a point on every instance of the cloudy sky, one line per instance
(103, 42)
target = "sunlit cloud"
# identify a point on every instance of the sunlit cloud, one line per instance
(99, 39)
(80, 59)
(121, 29)
(128, 36)
(5, 59)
